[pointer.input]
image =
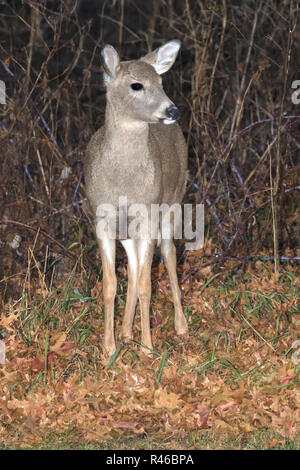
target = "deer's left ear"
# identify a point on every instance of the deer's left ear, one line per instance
(111, 63)
(164, 57)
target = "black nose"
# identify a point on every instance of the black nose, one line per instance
(173, 112)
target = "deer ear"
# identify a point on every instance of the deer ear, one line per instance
(111, 63)
(164, 57)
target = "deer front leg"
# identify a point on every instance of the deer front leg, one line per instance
(133, 266)
(169, 253)
(108, 251)
(145, 253)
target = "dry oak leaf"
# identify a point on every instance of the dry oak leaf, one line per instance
(59, 341)
(226, 406)
(7, 320)
(163, 399)
(37, 365)
(200, 415)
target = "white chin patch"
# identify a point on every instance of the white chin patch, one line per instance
(169, 121)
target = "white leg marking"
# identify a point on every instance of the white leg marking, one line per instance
(131, 251)
(142, 250)
(108, 248)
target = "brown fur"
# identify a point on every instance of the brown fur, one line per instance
(138, 156)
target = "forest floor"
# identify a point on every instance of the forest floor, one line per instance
(231, 383)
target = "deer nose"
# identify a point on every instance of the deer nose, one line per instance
(173, 112)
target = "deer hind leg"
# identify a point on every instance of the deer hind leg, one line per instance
(145, 255)
(130, 247)
(108, 252)
(169, 253)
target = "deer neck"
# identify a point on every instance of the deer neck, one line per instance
(126, 135)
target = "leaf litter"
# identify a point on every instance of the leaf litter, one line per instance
(228, 375)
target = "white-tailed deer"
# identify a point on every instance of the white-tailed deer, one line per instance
(135, 156)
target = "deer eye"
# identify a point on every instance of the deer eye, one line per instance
(136, 86)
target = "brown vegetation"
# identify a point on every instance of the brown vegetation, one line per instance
(233, 83)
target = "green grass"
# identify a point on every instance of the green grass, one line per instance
(224, 314)
(257, 440)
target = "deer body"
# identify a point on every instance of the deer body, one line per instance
(138, 156)
(132, 164)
